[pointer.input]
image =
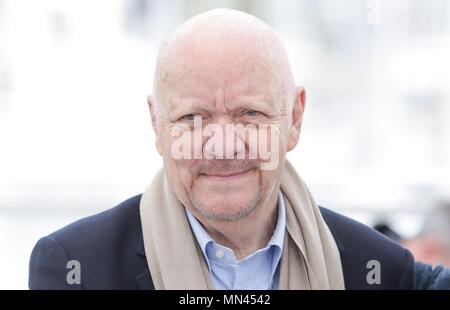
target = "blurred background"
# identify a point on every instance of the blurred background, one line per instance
(76, 138)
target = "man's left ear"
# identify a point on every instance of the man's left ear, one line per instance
(297, 118)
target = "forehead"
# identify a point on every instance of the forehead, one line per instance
(215, 83)
(211, 94)
(227, 65)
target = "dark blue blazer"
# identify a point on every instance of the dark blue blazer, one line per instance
(110, 249)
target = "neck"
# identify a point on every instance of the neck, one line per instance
(249, 234)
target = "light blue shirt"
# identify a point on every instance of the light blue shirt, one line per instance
(257, 271)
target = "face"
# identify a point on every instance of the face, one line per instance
(228, 122)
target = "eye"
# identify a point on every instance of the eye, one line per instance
(188, 117)
(251, 113)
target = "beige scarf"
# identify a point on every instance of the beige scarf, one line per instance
(310, 258)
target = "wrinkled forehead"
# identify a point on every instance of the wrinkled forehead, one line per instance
(224, 61)
(233, 72)
(217, 88)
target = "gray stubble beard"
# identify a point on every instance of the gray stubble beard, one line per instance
(218, 216)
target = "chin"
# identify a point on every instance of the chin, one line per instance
(224, 208)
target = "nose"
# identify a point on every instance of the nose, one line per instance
(223, 142)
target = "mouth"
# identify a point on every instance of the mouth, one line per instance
(225, 176)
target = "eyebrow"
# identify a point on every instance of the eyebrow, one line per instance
(250, 101)
(190, 105)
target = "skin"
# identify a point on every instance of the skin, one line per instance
(229, 68)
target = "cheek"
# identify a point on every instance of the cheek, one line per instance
(272, 147)
(180, 178)
(284, 136)
(283, 141)
(180, 171)
(269, 177)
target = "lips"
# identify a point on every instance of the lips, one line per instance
(226, 175)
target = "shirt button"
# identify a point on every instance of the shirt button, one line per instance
(219, 254)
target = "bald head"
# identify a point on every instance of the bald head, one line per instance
(223, 50)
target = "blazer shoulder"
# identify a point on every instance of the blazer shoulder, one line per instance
(106, 245)
(362, 249)
(106, 223)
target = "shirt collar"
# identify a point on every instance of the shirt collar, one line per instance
(277, 240)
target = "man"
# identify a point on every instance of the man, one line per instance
(227, 211)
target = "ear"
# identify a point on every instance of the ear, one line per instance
(297, 118)
(152, 109)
